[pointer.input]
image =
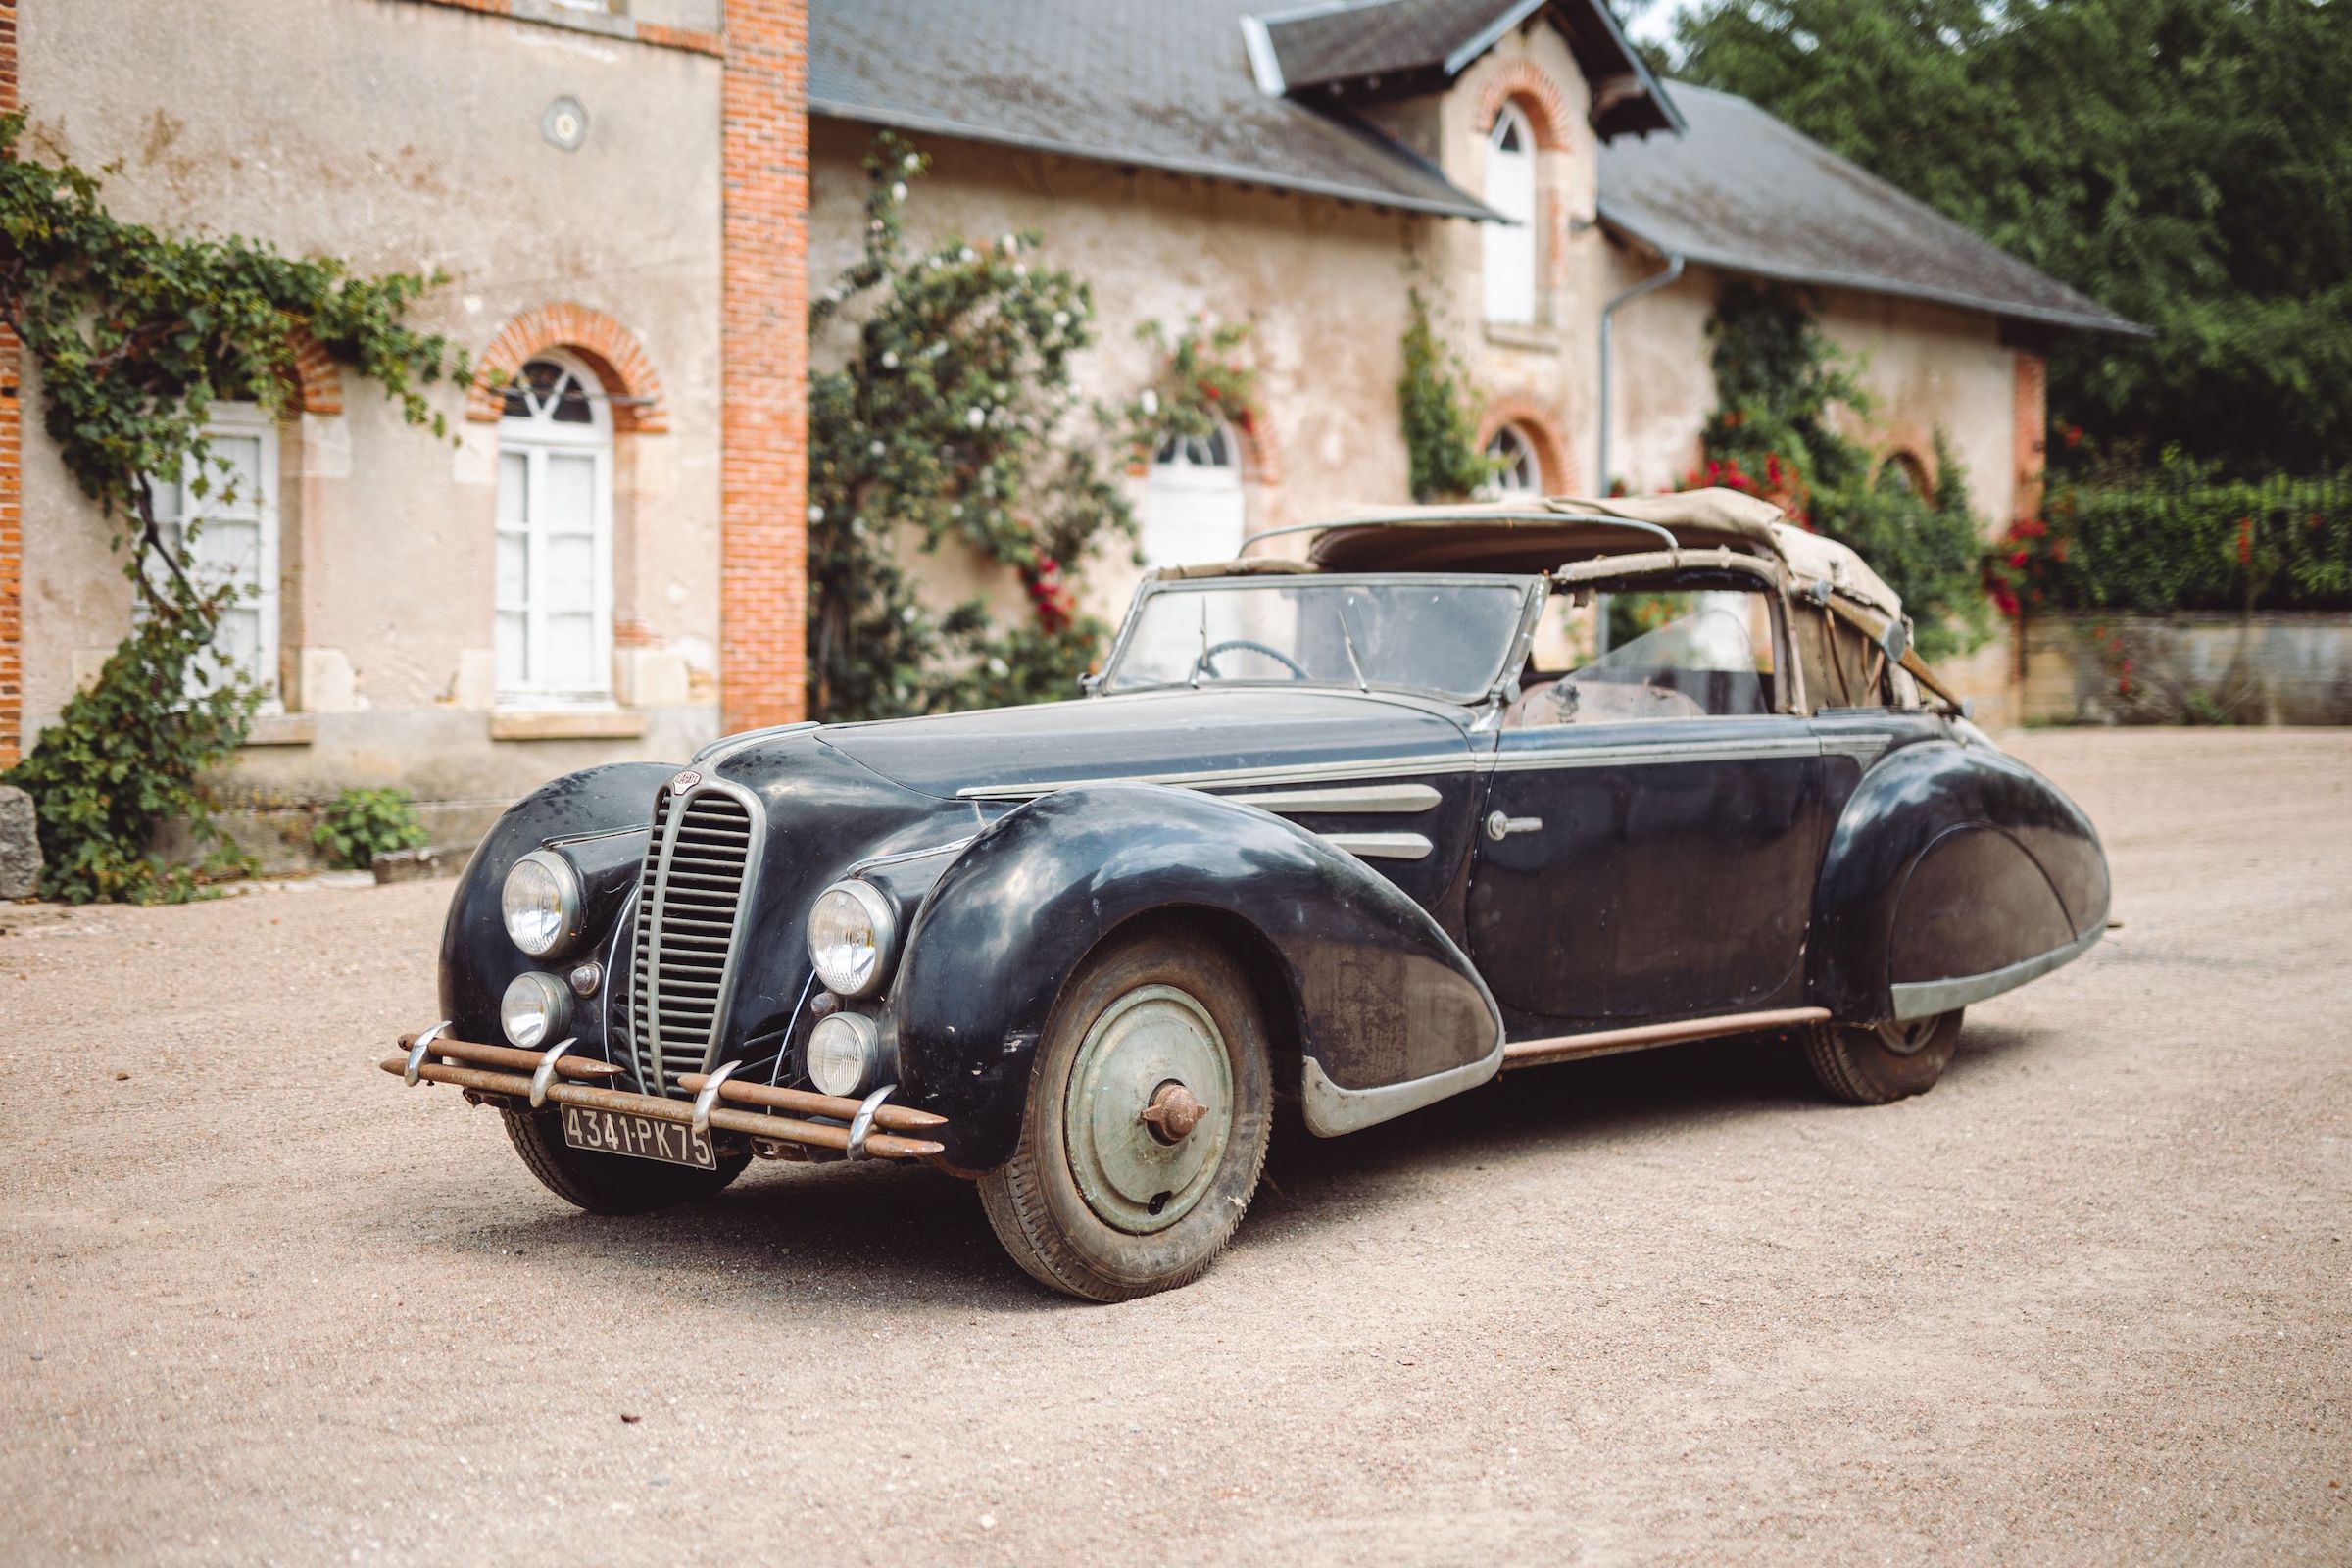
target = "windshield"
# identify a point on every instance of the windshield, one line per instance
(1448, 638)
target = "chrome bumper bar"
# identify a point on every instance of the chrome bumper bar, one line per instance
(870, 1128)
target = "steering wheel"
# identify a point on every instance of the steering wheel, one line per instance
(1206, 663)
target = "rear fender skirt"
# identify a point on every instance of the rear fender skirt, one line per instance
(1955, 871)
(1388, 1013)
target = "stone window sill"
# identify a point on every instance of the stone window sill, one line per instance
(566, 724)
(1529, 335)
(282, 729)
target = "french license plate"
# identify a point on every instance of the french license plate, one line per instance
(618, 1132)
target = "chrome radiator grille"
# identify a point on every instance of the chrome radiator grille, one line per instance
(689, 911)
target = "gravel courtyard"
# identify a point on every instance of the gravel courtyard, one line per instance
(2091, 1301)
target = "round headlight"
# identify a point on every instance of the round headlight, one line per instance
(534, 1010)
(845, 1055)
(541, 902)
(851, 932)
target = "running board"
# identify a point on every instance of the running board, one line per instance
(1609, 1042)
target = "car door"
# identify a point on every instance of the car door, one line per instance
(1647, 868)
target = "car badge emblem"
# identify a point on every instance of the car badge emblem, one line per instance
(684, 782)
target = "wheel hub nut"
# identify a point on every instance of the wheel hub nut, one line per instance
(1173, 1113)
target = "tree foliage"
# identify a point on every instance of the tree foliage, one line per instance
(137, 334)
(1433, 399)
(2187, 162)
(947, 422)
(1784, 391)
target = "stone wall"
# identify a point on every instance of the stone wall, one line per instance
(2263, 669)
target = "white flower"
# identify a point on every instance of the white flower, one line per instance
(897, 191)
(816, 514)
(876, 448)
(956, 510)
(910, 163)
(908, 614)
(1020, 269)
(857, 526)
(873, 225)
(1061, 317)
(976, 418)
(1151, 401)
(890, 359)
(968, 254)
(998, 666)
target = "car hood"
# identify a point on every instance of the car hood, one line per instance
(1151, 735)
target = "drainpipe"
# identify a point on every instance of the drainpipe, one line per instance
(1608, 316)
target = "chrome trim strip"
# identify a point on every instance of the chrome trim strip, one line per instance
(1712, 750)
(1380, 846)
(904, 855)
(1312, 773)
(1371, 799)
(1633, 755)
(1331, 1110)
(1863, 749)
(1925, 999)
(727, 746)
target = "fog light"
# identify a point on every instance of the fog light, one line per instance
(534, 1010)
(845, 1055)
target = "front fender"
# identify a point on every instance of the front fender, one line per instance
(477, 959)
(1955, 872)
(1388, 1013)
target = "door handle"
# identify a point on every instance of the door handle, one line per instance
(1501, 826)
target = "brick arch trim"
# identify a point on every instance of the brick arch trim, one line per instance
(316, 382)
(1524, 82)
(609, 349)
(1261, 452)
(1535, 422)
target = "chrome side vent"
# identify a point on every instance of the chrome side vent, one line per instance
(690, 898)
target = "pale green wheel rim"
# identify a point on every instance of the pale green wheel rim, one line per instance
(1905, 1038)
(1130, 1176)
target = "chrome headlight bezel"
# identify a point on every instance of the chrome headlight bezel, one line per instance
(554, 1000)
(881, 917)
(570, 903)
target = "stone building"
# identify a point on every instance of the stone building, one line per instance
(1297, 169)
(608, 561)
(627, 198)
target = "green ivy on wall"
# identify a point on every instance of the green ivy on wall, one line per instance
(137, 335)
(1443, 459)
(1780, 385)
(949, 422)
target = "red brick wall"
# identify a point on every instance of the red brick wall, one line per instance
(764, 366)
(12, 509)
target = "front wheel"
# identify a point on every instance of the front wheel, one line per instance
(610, 1184)
(1146, 1126)
(1877, 1067)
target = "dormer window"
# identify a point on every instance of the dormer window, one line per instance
(1511, 191)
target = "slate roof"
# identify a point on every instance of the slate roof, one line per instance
(1156, 83)
(1744, 192)
(1351, 41)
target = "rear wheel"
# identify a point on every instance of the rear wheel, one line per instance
(610, 1184)
(1147, 1123)
(1876, 1066)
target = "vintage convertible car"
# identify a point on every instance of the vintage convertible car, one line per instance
(1468, 789)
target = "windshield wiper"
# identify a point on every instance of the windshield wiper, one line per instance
(1347, 641)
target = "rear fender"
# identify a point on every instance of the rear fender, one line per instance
(1388, 1013)
(1955, 872)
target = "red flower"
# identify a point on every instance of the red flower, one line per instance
(2127, 667)
(1772, 468)
(2073, 434)
(2029, 528)
(2057, 549)
(2018, 559)
(1208, 391)
(2245, 541)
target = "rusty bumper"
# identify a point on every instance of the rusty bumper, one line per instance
(505, 1075)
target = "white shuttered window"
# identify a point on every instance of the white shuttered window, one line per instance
(231, 505)
(554, 538)
(1511, 247)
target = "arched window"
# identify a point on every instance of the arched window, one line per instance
(1193, 507)
(1516, 473)
(1510, 190)
(555, 536)
(1903, 473)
